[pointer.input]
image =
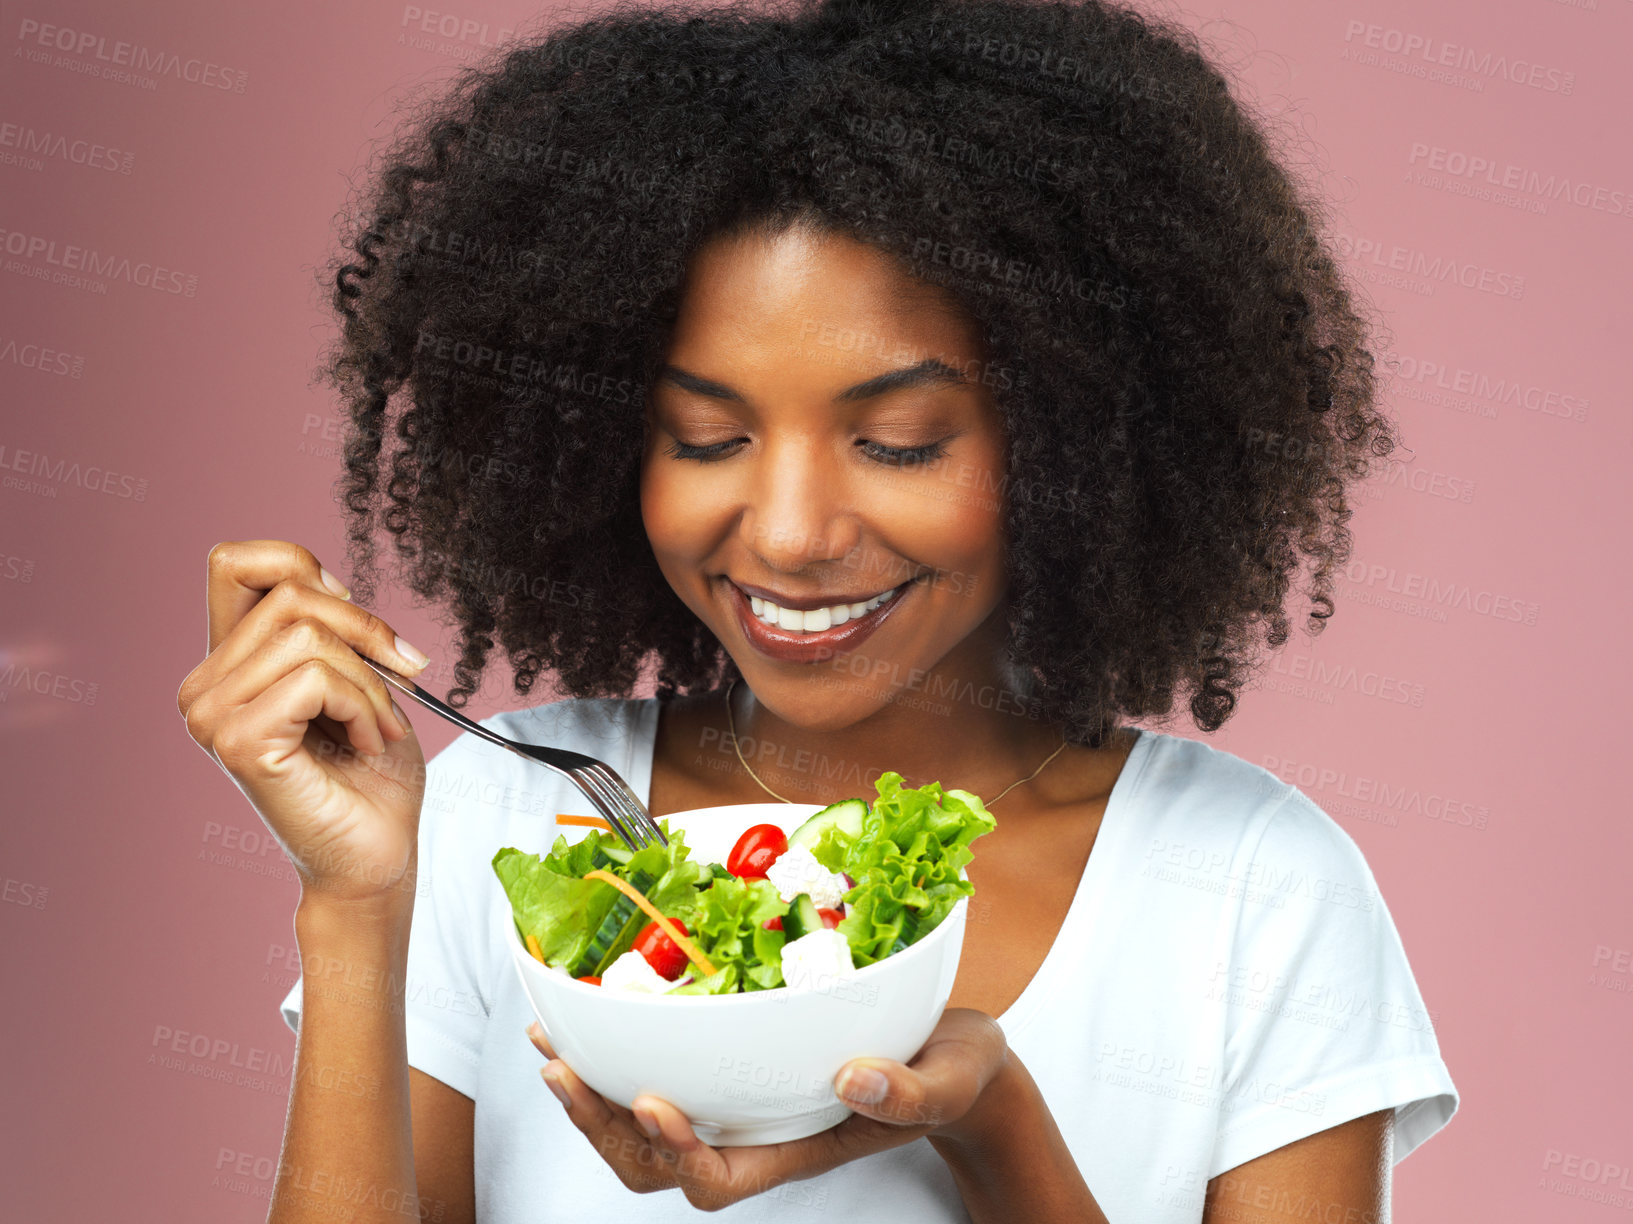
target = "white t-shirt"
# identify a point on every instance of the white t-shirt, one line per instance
(1226, 981)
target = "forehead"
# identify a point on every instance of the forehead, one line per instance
(820, 294)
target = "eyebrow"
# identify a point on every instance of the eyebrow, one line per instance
(929, 372)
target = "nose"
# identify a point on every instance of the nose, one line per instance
(799, 508)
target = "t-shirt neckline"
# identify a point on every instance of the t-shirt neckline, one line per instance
(1086, 896)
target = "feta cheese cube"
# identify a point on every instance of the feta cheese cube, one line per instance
(632, 972)
(797, 871)
(815, 961)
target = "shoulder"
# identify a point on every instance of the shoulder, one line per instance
(1204, 809)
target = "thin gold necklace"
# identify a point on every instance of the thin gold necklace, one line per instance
(731, 725)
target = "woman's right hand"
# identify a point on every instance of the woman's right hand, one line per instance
(305, 728)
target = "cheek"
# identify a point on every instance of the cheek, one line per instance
(681, 512)
(952, 518)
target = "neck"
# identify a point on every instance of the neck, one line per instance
(964, 725)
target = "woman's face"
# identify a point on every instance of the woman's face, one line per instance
(767, 368)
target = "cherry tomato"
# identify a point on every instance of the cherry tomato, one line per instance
(830, 919)
(591, 978)
(756, 850)
(661, 952)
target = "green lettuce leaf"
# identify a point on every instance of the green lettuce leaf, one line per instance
(550, 901)
(721, 981)
(730, 931)
(905, 864)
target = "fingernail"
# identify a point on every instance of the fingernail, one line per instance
(555, 1086)
(535, 1032)
(863, 1085)
(415, 657)
(648, 1123)
(402, 719)
(333, 583)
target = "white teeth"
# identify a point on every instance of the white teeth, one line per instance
(817, 619)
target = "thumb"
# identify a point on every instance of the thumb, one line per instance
(942, 1083)
(887, 1091)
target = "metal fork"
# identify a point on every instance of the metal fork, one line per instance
(610, 794)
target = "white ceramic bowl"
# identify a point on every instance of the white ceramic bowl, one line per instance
(745, 1068)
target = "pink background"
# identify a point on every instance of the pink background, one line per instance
(141, 896)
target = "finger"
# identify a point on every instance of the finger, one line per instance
(305, 639)
(264, 733)
(706, 1176)
(712, 1178)
(240, 572)
(940, 1084)
(674, 1131)
(535, 1034)
(640, 1164)
(291, 600)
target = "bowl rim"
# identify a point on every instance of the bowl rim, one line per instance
(524, 958)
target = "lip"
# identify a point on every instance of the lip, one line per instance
(789, 647)
(807, 603)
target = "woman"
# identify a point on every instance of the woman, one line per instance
(925, 386)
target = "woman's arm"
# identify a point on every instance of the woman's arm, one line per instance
(1009, 1159)
(285, 704)
(1010, 1162)
(350, 1139)
(1341, 1173)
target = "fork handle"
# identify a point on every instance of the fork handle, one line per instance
(399, 681)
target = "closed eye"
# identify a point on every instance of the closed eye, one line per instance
(890, 456)
(893, 456)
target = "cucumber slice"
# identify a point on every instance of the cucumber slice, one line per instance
(625, 939)
(910, 933)
(847, 815)
(619, 854)
(612, 926)
(802, 918)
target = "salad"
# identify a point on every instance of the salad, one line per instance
(855, 883)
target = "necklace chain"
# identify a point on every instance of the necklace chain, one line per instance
(732, 727)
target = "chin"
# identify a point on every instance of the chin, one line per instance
(824, 698)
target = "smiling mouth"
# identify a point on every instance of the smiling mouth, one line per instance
(817, 620)
(814, 645)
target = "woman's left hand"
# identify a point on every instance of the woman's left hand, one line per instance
(652, 1146)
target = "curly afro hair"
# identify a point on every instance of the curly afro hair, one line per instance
(1191, 392)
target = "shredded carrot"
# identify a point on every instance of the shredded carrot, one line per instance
(592, 822)
(668, 927)
(533, 947)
